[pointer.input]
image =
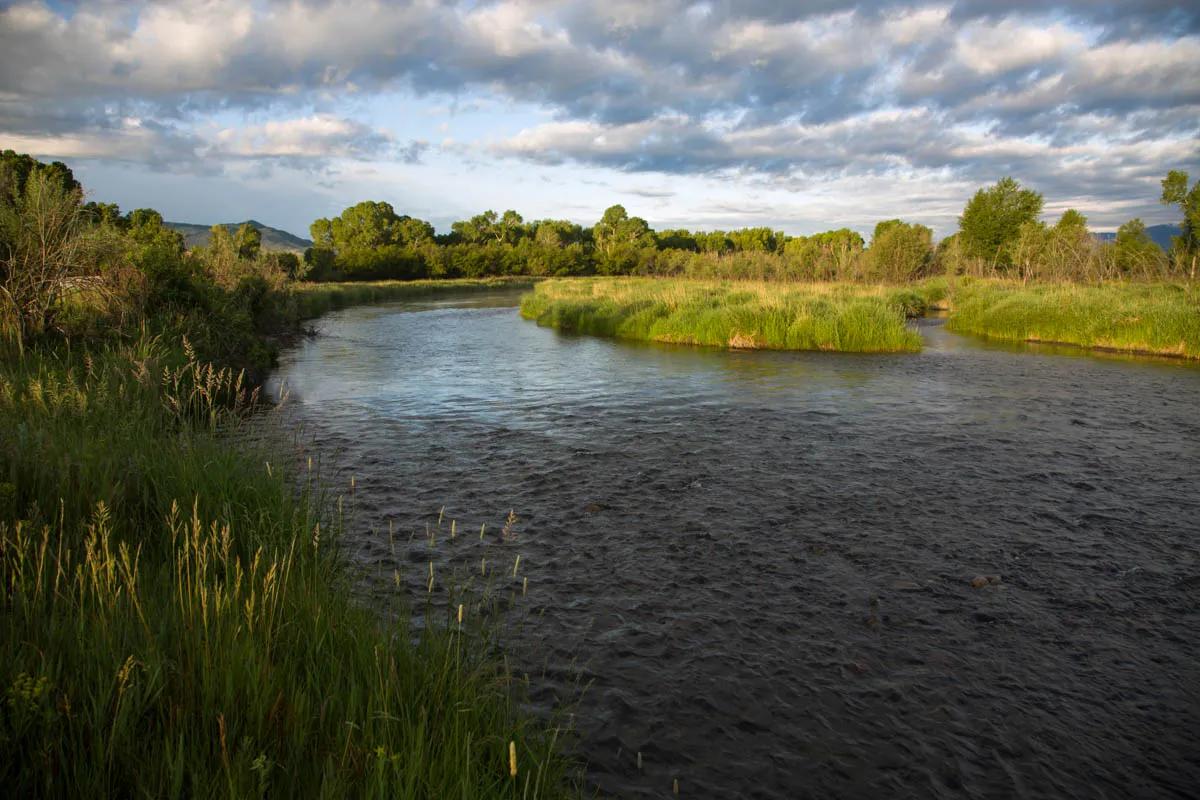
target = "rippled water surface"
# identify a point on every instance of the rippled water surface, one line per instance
(762, 562)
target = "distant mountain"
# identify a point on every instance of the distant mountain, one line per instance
(272, 238)
(1159, 234)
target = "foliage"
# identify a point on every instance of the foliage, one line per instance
(990, 225)
(43, 248)
(1134, 254)
(1185, 249)
(899, 252)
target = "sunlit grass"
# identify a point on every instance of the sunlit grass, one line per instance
(1162, 319)
(174, 620)
(758, 315)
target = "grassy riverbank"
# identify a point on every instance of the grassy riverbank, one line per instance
(1162, 319)
(314, 299)
(176, 623)
(777, 316)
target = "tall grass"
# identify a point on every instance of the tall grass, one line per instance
(174, 620)
(1163, 319)
(314, 299)
(732, 314)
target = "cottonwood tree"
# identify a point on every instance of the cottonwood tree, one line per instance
(1135, 253)
(991, 222)
(899, 251)
(1185, 248)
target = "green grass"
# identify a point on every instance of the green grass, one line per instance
(775, 316)
(1162, 319)
(174, 621)
(314, 299)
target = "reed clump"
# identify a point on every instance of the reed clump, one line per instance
(1155, 318)
(754, 315)
(174, 620)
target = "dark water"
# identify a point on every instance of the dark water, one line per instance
(762, 561)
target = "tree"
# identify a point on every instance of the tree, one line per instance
(762, 240)
(16, 168)
(247, 241)
(616, 229)
(990, 224)
(221, 243)
(557, 233)
(411, 232)
(1185, 248)
(105, 215)
(365, 226)
(321, 232)
(1135, 252)
(899, 251)
(510, 228)
(41, 246)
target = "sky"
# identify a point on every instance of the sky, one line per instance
(799, 116)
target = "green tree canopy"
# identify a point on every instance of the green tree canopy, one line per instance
(369, 225)
(15, 169)
(991, 223)
(1134, 251)
(248, 241)
(617, 229)
(899, 251)
(1185, 250)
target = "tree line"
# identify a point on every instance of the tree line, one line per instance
(55, 249)
(999, 234)
(70, 266)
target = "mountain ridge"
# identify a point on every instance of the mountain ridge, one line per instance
(1159, 234)
(195, 235)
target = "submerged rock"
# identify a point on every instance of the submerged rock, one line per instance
(980, 581)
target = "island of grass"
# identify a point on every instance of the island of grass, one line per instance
(752, 315)
(1154, 319)
(1160, 319)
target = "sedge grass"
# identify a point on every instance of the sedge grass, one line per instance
(1160, 319)
(175, 623)
(762, 315)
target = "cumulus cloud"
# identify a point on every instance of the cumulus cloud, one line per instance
(1060, 92)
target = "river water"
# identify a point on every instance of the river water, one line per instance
(760, 564)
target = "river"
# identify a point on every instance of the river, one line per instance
(761, 563)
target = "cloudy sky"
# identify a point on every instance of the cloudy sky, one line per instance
(801, 116)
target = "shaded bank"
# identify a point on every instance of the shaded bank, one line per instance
(1158, 319)
(314, 299)
(747, 315)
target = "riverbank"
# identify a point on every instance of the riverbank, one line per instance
(176, 621)
(314, 299)
(751, 315)
(1151, 319)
